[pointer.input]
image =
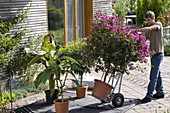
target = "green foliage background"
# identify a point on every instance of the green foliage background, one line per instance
(144, 5)
(157, 6)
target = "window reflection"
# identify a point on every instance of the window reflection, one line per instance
(56, 19)
(70, 19)
(80, 18)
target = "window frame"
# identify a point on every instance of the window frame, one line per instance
(88, 17)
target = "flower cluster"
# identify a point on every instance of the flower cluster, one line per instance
(113, 47)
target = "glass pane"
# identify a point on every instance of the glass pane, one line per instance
(80, 17)
(70, 19)
(56, 19)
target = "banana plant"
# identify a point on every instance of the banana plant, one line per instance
(56, 64)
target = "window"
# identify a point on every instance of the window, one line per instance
(70, 19)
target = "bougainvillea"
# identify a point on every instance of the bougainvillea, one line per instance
(113, 47)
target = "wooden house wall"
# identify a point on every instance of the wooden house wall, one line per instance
(36, 22)
(102, 5)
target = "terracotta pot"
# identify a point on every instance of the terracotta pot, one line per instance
(101, 90)
(61, 107)
(81, 92)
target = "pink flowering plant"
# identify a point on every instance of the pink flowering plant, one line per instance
(113, 47)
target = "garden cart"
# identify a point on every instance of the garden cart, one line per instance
(106, 91)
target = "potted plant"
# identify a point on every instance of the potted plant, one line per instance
(69, 64)
(62, 104)
(6, 98)
(75, 50)
(44, 56)
(54, 62)
(114, 48)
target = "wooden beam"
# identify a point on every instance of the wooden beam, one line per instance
(65, 23)
(88, 16)
(75, 21)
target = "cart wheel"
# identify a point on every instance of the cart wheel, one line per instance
(118, 100)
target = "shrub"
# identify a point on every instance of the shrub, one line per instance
(167, 46)
(113, 47)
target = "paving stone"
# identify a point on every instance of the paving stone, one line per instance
(163, 102)
(141, 111)
(131, 111)
(134, 86)
(20, 103)
(40, 96)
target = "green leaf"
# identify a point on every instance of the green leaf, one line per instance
(76, 82)
(77, 69)
(43, 76)
(69, 59)
(47, 45)
(36, 59)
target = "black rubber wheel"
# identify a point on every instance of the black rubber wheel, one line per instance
(118, 100)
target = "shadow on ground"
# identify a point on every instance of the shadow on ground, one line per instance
(86, 105)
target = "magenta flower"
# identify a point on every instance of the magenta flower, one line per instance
(113, 47)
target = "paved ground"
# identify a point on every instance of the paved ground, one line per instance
(133, 86)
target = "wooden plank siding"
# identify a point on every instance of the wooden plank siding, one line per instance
(88, 14)
(102, 5)
(35, 24)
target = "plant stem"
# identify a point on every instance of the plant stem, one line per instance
(10, 87)
(81, 80)
(61, 89)
(108, 69)
(51, 82)
(62, 86)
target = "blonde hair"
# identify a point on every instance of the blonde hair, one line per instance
(150, 14)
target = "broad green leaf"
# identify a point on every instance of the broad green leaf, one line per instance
(36, 59)
(76, 82)
(69, 58)
(43, 76)
(75, 68)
